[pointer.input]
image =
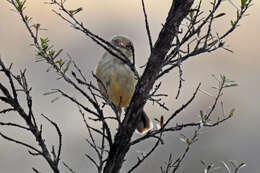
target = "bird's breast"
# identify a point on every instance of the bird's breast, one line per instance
(118, 80)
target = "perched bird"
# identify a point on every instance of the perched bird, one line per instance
(117, 80)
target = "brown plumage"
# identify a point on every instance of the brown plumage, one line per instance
(118, 79)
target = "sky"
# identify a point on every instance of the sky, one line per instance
(236, 139)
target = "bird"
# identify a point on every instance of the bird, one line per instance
(117, 81)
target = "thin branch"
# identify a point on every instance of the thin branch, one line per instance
(14, 125)
(21, 143)
(28, 118)
(6, 110)
(69, 168)
(97, 39)
(140, 160)
(163, 128)
(92, 160)
(35, 170)
(77, 103)
(180, 71)
(147, 27)
(182, 108)
(57, 158)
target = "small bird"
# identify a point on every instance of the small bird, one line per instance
(117, 80)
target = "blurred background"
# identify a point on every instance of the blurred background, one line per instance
(236, 139)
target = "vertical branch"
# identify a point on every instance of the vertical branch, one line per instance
(120, 147)
(147, 27)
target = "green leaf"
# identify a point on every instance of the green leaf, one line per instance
(37, 26)
(73, 12)
(231, 113)
(191, 13)
(44, 47)
(241, 165)
(232, 23)
(41, 54)
(51, 53)
(188, 141)
(60, 62)
(243, 4)
(223, 78)
(20, 5)
(238, 13)
(67, 67)
(44, 43)
(202, 116)
(27, 19)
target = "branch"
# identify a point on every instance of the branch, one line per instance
(57, 158)
(21, 143)
(201, 42)
(205, 118)
(147, 27)
(140, 160)
(69, 168)
(97, 39)
(181, 108)
(163, 128)
(14, 125)
(177, 13)
(29, 118)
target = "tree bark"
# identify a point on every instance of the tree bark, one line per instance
(178, 11)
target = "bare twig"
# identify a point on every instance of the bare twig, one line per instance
(68, 167)
(57, 158)
(97, 39)
(147, 27)
(21, 143)
(140, 160)
(29, 118)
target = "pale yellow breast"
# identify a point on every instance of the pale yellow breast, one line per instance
(117, 78)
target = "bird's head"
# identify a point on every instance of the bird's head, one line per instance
(125, 45)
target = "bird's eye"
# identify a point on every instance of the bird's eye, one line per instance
(129, 46)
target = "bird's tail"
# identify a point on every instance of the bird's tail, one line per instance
(144, 123)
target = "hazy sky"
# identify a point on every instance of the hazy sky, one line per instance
(237, 139)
